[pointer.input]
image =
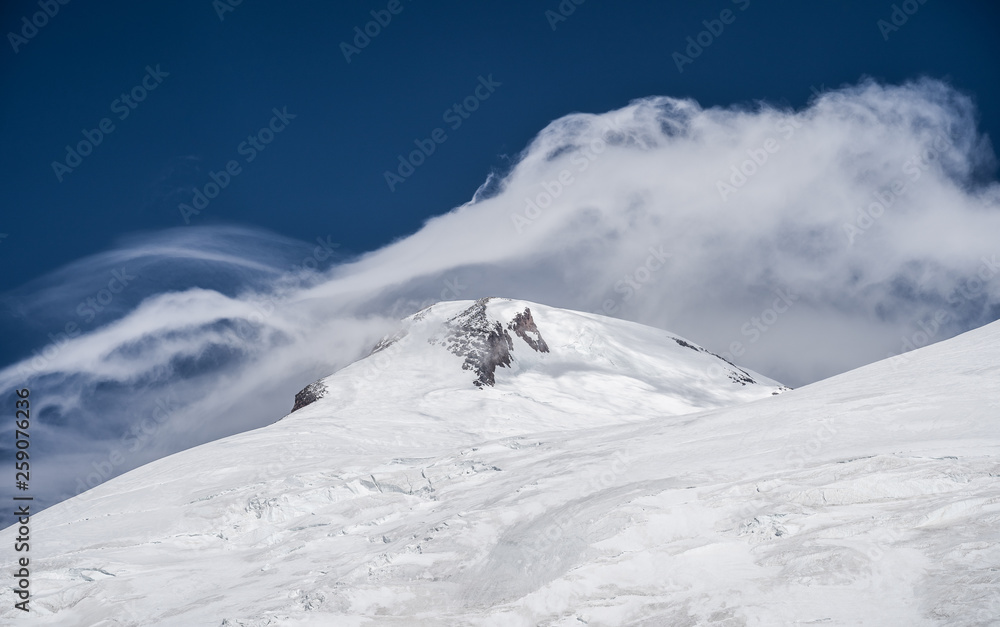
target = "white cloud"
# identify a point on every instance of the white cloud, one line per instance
(571, 224)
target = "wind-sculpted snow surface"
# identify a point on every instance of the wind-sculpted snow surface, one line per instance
(621, 478)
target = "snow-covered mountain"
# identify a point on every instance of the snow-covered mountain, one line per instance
(506, 463)
(499, 367)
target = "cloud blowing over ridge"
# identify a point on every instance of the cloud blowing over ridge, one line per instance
(797, 243)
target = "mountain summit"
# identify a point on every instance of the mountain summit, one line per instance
(532, 351)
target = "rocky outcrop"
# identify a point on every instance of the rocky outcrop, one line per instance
(388, 341)
(524, 326)
(485, 344)
(309, 394)
(736, 374)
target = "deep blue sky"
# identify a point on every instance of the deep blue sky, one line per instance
(323, 174)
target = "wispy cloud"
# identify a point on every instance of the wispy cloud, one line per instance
(222, 326)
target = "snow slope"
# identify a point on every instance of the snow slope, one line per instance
(621, 478)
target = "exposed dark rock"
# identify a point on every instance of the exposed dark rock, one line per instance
(420, 315)
(686, 345)
(736, 375)
(388, 341)
(740, 377)
(309, 394)
(524, 326)
(485, 343)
